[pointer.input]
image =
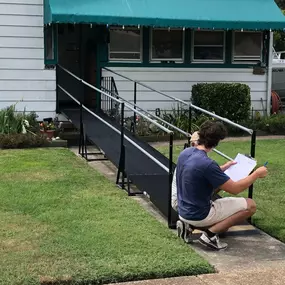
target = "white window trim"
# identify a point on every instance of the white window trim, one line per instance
(250, 61)
(208, 60)
(129, 59)
(158, 60)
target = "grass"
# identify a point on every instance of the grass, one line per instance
(269, 193)
(62, 221)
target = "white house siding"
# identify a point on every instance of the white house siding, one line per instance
(178, 82)
(23, 77)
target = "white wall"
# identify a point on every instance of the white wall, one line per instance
(22, 73)
(178, 82)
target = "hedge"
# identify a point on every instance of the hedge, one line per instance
(10, 141)
(229, 100)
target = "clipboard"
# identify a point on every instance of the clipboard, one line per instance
(245, 165)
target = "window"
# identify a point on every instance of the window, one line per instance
(125, 44)
(247, 46)
(50, 39)
(208, 46)
(167, 45)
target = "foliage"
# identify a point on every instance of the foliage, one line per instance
(10, 141)
(12, 122)
(229, 100)
(281, 4)
(47, 126)
(62, 222)
(274, 124)
(179, 117)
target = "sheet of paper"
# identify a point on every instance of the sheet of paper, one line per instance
(242, 169)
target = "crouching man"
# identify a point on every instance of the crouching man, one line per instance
(197, 177)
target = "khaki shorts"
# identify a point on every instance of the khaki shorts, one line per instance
(220, 210)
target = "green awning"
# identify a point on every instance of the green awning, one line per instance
(210, 14)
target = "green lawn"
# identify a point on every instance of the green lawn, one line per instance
(61, 220)
(269, 193)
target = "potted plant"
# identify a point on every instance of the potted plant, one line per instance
(48, 129)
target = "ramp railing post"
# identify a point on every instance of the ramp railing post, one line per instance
(122, 162)
(189, 123)
(170, 178)
(252, 154)
(135, 107)
(57, 89)
(81, 137)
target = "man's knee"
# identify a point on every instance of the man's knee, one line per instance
(251, 206)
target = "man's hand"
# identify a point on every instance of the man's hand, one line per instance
(261, 172)
(227, 165)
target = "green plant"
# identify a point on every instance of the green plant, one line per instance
(274, 124)
(47, 126)
(229, 100)
(12, 122)
(179, 117)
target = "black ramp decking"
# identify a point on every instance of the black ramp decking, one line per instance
(142, 170)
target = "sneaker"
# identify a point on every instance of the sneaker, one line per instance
(213, 242)
(184, 231)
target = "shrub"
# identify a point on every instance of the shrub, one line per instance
(275, 124)
(12, 122)
(8, 141)
(179, 117)
(229, 100)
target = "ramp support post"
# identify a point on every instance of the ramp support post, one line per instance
(189, 123)
(122, 162)
(252, 154)
(81, 140)
(135, 107)
(170, 178)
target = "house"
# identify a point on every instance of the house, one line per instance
(168, 45)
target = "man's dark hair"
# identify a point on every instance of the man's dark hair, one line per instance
(211, 133)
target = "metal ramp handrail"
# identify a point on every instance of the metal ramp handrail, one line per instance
(114, 98)
(159, 162)
(190, 105)
(128, 103)
(114, 129)
(250, 131)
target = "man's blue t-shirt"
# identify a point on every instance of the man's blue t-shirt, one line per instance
(197, 176)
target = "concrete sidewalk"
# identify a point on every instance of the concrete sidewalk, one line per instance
(272, 273)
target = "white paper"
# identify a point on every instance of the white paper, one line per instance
(242, 169)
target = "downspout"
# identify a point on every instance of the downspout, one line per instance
(269, 74)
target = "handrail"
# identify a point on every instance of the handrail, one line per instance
(114, 129)
(170, 125)
(250, 131)
(115, 99)
(154, 116)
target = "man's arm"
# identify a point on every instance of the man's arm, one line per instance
(237, 187)
(227, 165)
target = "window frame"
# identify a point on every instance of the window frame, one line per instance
(193, 60)
(124, 59)
(53, 61)
(162, 60)
(250, 61)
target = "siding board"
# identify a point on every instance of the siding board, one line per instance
(23, 78)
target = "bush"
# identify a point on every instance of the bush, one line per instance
(8, 141)
(12, 122)
(275, 124)
(229, 100)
